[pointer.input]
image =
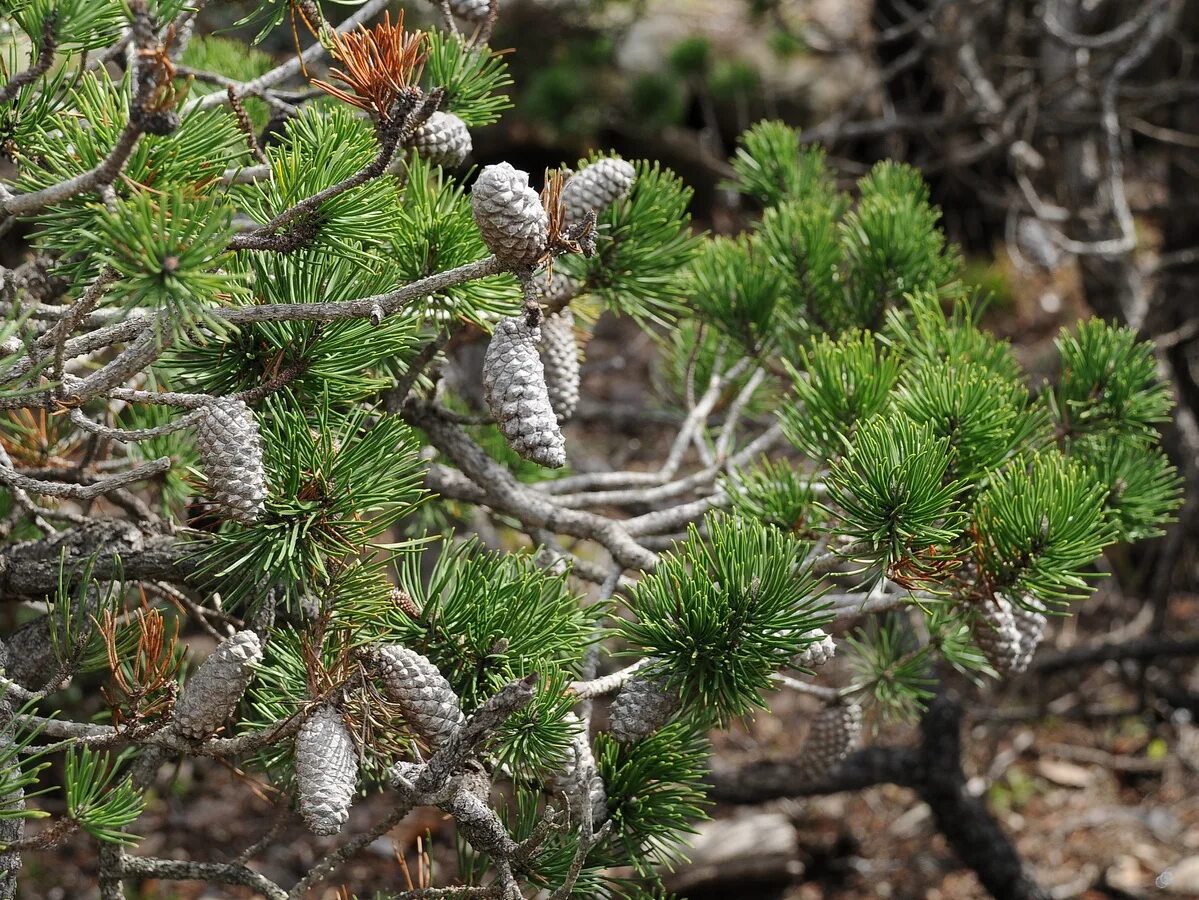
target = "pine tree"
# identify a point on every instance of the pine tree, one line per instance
(249, 351)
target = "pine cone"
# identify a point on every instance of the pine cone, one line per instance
(1037, 244)
(560, 357)
(642, 707)
(1030, 625)
(471, 10)
(231, 454)
(509, 213)
(442, 140)
(995, 632)
(422, 693)
(326, 770)
(834, 733)
(819, 653)
(211, 694)
(515, 389)
(581, 759)
(557, 289)
(593, 188)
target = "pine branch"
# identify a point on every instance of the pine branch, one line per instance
(41, 64)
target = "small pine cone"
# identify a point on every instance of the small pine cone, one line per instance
(560, 357)
(211, 694)
(642, 707)
(819, 653)
(326, 770)
(834, 733)
(1037, 244)
(471, 10)
(1030, 624)
(516, 393)
(231, 454)
(424, 696)
(509, 213)
(442, 140)
(593, 188)
(995, 632)
(580, 759)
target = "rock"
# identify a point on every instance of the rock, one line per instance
(1064, 773)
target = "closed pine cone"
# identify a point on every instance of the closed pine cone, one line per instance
(818, 653)
(560, 357)
(995, 632)
(425, 698)
(231, 455)
(326, 770)
(1030, 625)
(212, 693)
(443, 140)
(515, 390)
(509, 214)
(595, 187)
(643, 706)
(834, 733)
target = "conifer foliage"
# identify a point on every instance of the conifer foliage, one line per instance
(230, 413)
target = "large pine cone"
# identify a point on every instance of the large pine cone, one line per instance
(211, 694)
(443, 140)
(231, 454)
(515, 389)
(326, 770)
(643, 706)
(834, 733)
(560, 357)
(509, 213)
(426, 699)
(595, 187)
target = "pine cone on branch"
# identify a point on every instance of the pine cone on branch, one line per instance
(834, 734)
(560, 358)
(425, 698)
(471, 10)
(643, 706)
(326, 770)
(231, 455)
(514, 387)
(818, 653)
(442, 140)
(509, 213)
(1030, 625)
(994, 630)
(212, 693)
(595, 187)
(580, 765)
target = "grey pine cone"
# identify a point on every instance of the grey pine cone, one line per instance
(471, 10)
(643, 706)
(834, 733)
(1030, 625)
(1037, 244)
(819, 653)
(579, 772)
(424, 696)
(442, 140)
(560, 357)
(556, 289)
(231, 454)
(995, 632)
(594, 187)
(509, 213)
(515, 389)
(326, 770)
(211, 694)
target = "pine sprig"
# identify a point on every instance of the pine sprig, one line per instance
(474, 78)
(721, 615)
(891, 492)
(1040, 526)
(100, 803)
